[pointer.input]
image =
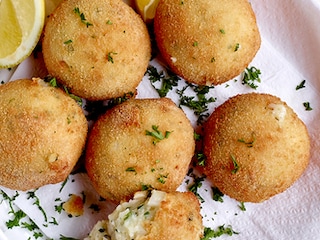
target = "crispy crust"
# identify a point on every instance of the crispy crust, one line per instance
(206, 42)
(120, 157)
(43, 134)
(277, 157)
(177, 218)
(104, 60)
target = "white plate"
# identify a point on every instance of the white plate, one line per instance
(289, 54)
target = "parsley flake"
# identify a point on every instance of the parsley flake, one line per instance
(301, 85)
(235, 165)
(82, 17)
(221, 230)
(251, 76)
(307, 106)
(167, 81)
(156, 134)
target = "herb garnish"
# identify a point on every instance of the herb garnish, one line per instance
(131, 169)
(236, 48)
(235, 165)
(54, 83)
(242, 206)
(156, 134)
(221, 230)
(201, 158)
(109, 57)
(162, 178)
(67, 42)
(197, 183)
(251, 75)
(301, 85)
(15, 222)
(198, 103)
(82, 17)
(217, 194)
(250, 143)
(32, 194)
(167, 81)
(307, 106)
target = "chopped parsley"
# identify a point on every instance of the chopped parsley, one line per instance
(237, 46)
(131, 169)
(251, 76)
(167, 81)
(162, 178)
(301, 85)
(235, 165)
(221, 230)
(109, 56)
(145, 187)
(307, 106)
(201, 158)
(199, 103)
(68, 42)
(15, 222)
(250, 143)
(197, 183)
(157, 135)
(54, 83)
(242, 206)
(32, 194)
(82, 17)
(217, 194)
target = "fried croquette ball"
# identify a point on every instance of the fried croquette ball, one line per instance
(161, 215)
(43, 133)
(256, 147)
(99, 49)
(206, 42)
(141, 143)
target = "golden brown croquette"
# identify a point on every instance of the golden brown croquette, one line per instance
(43, 133)
(206, 42)
(174, 215)
(99, 49)
(141, 143)
(256, 147)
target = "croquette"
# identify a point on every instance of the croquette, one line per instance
(43, 134)
(255, 147)
(139, 144)
(206, 42)
(98, 49)
(161, 215)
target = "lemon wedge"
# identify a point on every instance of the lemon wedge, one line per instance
(146, 8)
(21, 24)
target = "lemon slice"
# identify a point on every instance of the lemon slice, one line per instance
(147, 8)
(21, 24)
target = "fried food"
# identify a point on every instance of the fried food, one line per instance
(161, 215)
(206, 42)
(43, 134)
(99, 49)
(256, 147)
(139, 144)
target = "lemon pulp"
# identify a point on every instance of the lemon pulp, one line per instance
(21, 24)
(10, 31)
